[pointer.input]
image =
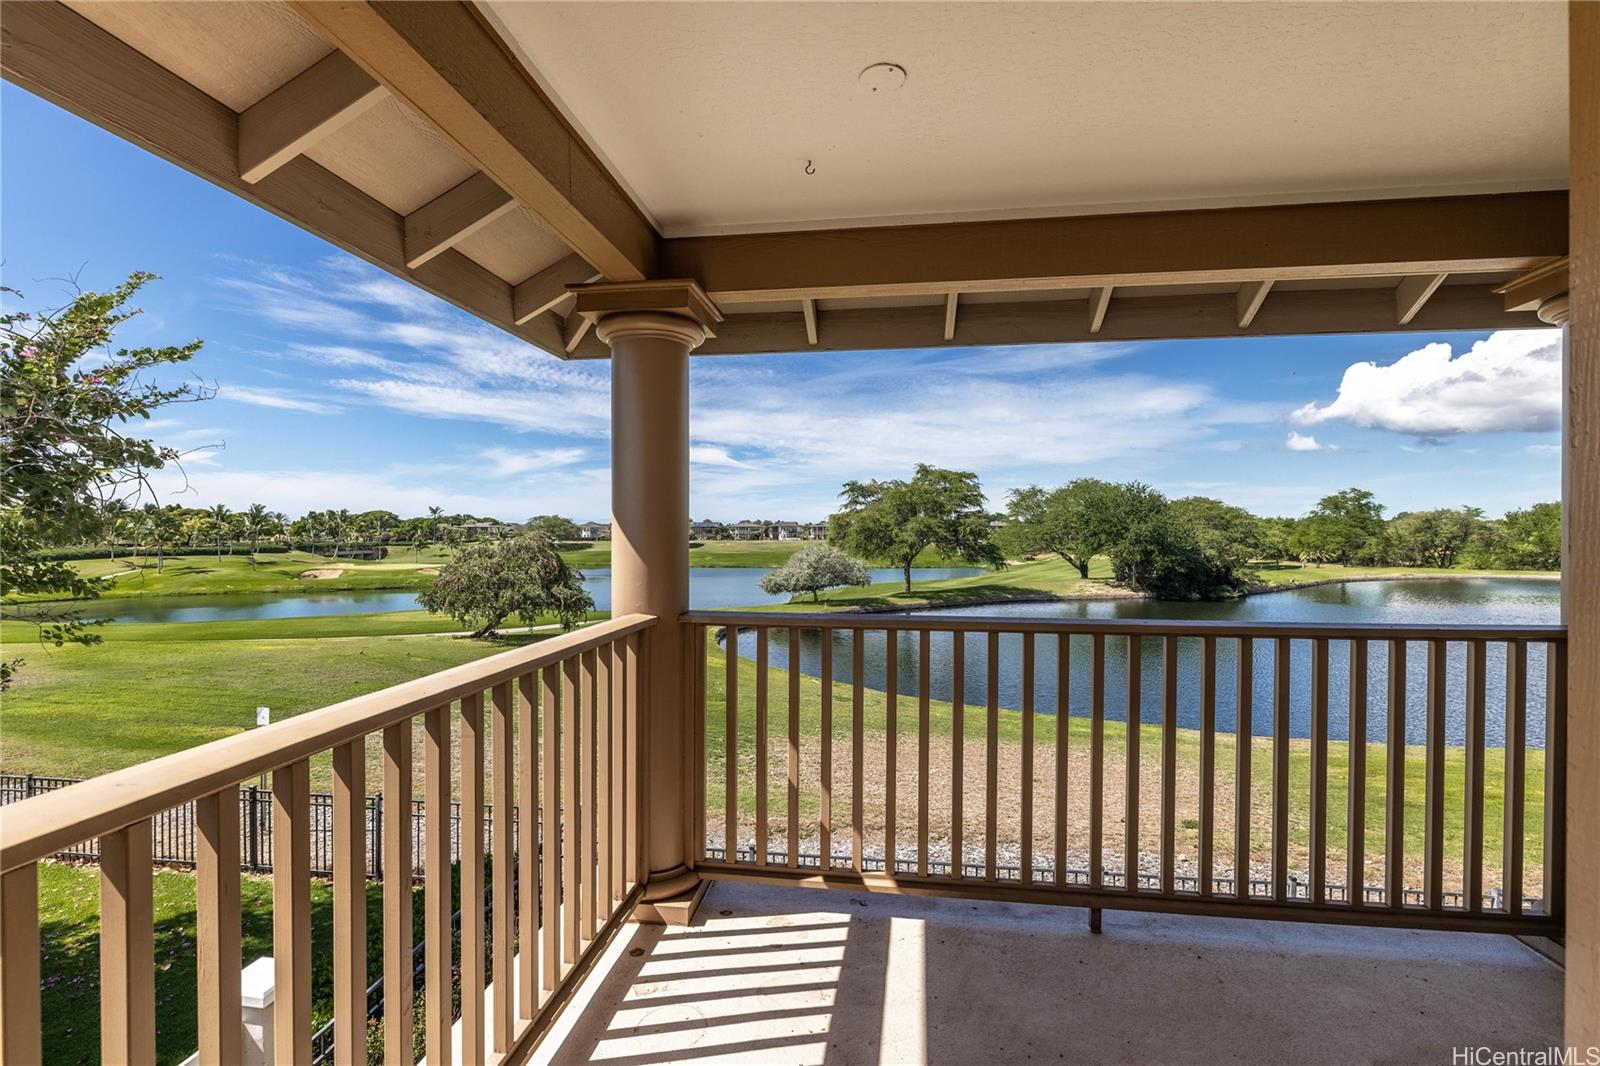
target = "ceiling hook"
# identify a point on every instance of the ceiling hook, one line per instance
(809, 168)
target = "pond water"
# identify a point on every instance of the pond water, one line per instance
(1475, 601)
(710, 588)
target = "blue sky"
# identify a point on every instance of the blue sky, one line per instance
(340, 386)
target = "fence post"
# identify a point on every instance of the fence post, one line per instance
(376, 836)
(28, 794)
(255, 832)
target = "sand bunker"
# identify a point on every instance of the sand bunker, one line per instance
(323, 572)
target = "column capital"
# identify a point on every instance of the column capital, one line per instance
(1542, 290)
(673, 309)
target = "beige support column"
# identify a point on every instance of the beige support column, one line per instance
(1580, 564)
(651, 327)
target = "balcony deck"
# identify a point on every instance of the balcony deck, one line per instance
(797, 975)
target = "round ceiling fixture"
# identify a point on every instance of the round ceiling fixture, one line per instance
(883, 77)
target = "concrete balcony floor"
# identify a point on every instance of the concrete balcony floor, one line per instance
(798, 975)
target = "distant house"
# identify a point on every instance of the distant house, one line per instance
(706, 529)
(594, 530)
(814, 531)
(788, 530)
(489, 530)
(750, 530)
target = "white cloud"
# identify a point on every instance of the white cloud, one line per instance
(503, 462)
(1299, 442)
(260, 397)
(1508, 382)
(709, 455)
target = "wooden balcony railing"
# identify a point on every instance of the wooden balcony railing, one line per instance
(562, 735)
(991, 757)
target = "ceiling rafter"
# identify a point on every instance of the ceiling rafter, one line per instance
(301, 112)
(58, 54)
(446, 64)
(950, 301)
(453, 216)
(1099, 302)
(545, 290)
(808, 310)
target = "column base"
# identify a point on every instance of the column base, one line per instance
(671, 898)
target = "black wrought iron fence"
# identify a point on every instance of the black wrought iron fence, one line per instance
(173, 831)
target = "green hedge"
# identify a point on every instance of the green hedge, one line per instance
(103, 551)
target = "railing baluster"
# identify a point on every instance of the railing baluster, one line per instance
(436, 938)
(1025, 860)
(633, 669)
(700, 709)
(1555, 778)
(550, 846)
(992, 760)
(794, 747)
(825, 770)
(1208, 765)
(1280, 769)
(501, 861)
(291, 912)
(891, 737)
(217, 932)
(583, 830)
(471, 860)
(399, 871)
(1516, 772)
(730, 745)
(349, 903)
(527, 848)
(1355, 877)
(21, 1026)
(761, 746)
(618, 737)
(1169, 762)
(1130, 846)
(924, 647)
(1433, 836)
(1472, 816)
(571, 827)
(1318, 809)
(1097, 761)
(1244, 748)
(127, 947)
(604, 683)
(1394, 801)
(1063, 746)
(857, 744)
(958, 751)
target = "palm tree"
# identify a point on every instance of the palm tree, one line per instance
(159, 526)
(435, 514)
(253, 523)
(221, 526)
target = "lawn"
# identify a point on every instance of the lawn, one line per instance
(69, 928)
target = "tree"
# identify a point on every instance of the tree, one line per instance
(1063, 521)
(1530, 539)
(1346, 527)
(898, 520)
(159, 526)
(221, 528)
(489, 581)
(65, 401)
(1229, 535)
(554, 526)
(813, 569)
(1433, 538)
(254, 523)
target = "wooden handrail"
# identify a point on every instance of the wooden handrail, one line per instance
(36, 828)
(940, 622)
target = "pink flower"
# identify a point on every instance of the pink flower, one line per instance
(30, 353)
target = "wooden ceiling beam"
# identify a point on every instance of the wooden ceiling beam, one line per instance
(548, 288)
(453, 216)
(1099, 303)
(1412, 293)
(808, 311)
(1527, 291)
(1248, 302)
(301, 112)
(950, 301)
(53, 52)
(445, 63)
(1138, 318)
(1241, 245)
